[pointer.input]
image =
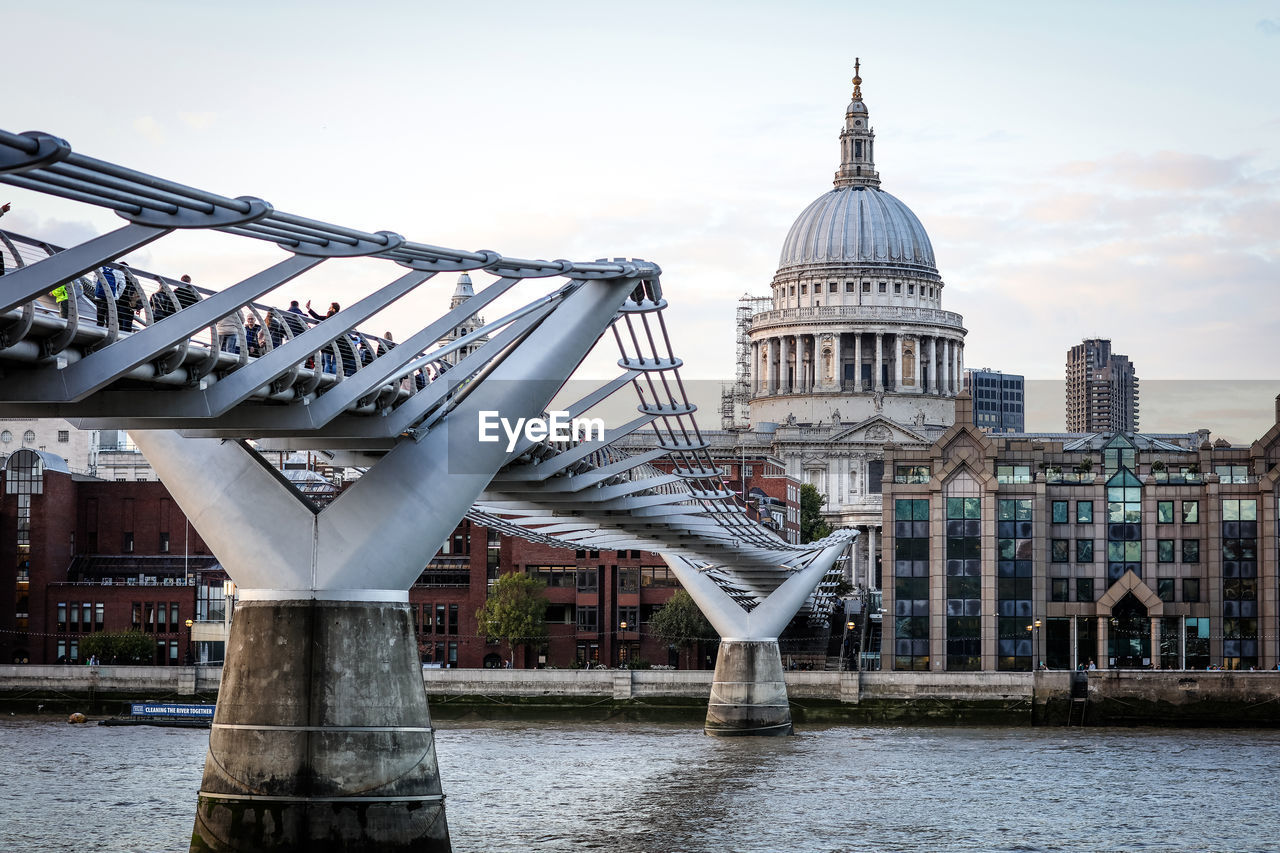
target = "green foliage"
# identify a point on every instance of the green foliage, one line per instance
(515, 611)
(119, 647)
(680, 623)
(812, 526)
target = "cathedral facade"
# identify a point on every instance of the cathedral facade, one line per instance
(852, 350)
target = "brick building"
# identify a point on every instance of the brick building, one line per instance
(80, 555)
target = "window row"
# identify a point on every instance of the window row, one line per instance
(435, 618)
(850, 287)
(155, 616)
(1127, 551)
(1060, 589)
(81, 616)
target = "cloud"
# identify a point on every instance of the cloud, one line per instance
(1171, 254)
(150, 129)
(1269, 27)
(198, 120)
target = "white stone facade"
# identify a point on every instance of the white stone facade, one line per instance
(855, 351)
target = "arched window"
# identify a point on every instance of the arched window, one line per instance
(6, 436)
(28, 437)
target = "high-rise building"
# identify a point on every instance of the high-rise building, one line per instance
(997, 400)
(1102, 389)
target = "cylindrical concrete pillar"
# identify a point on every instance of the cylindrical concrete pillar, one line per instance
(748, 693)
(322, 740)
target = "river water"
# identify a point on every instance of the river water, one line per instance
(646, 787)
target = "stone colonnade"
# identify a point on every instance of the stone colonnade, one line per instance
(815, 361)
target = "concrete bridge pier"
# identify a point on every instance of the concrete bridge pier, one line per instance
(322, 739)
(748, 692)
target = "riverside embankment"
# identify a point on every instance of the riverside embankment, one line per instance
(1115, 697)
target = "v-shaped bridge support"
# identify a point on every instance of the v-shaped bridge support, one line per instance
(322, 739)
(748, 690)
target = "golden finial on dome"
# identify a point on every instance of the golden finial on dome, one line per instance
(857, 81)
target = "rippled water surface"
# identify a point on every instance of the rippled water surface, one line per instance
(628, 787)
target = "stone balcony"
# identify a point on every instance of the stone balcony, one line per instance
(869, 314)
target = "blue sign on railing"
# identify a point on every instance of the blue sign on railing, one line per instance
(159, 709)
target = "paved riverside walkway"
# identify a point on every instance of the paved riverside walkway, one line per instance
(1116, 697)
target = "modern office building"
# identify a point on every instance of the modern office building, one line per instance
(998, 400)
(1124, 549)
(1102, 389)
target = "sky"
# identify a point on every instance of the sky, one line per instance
(1087, 169)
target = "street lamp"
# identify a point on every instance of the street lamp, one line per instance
(190, 657)
(1031, 629)
(622, 643)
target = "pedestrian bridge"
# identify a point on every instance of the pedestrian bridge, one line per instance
(321, 647)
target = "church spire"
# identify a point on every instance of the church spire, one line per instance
(857, 141)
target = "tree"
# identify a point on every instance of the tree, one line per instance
(515, 612)
(119, 647)
(812, 525)
(680, 623)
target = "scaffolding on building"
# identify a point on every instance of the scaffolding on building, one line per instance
(735, 396)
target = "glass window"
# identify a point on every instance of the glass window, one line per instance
(1013, 474)
(1197, 637)
(1084, 550)
(1084, 512)
(1191, 592)
(883, 287)
(1060, 550)
(1084, 589)
(1058, 589)
(1164, 589)
(1232, 473)
(587, 580)
(1190, 550)
(1059, 512)
(866, 287)
(1164, 550)
(911, 474)
(628, 580)
(1191, 512)
(1164, 512)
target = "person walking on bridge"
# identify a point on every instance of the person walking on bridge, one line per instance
(4, 208)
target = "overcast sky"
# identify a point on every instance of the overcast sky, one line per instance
(1083, 169)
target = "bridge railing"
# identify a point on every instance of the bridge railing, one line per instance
(84, 317)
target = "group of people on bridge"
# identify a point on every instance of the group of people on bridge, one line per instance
(116, 286)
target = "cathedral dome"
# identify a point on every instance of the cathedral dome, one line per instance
(858, 224)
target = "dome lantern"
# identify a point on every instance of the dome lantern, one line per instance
(857, 141)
